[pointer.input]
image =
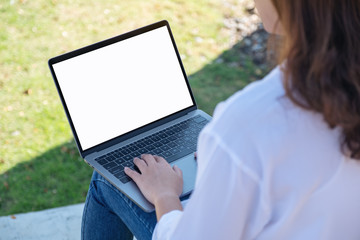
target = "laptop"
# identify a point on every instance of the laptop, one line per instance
(126, 96)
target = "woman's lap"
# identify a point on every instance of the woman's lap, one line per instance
(109, 214)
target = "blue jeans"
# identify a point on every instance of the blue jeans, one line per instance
(109, 214)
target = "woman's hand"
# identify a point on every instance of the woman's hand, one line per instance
(160, 183)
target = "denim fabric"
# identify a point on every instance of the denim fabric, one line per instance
(109, 214)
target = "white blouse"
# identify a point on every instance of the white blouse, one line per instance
(268, 170)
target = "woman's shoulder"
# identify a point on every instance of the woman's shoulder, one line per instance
(261, 120)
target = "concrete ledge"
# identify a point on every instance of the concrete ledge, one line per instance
(62, 223)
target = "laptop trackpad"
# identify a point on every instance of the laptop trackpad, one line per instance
(188, 166)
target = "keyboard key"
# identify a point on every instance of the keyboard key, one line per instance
(188, 144)
(177, 129)
(125, 179)
(179, 142)
(135, 154)
(172, 138)
(163, 135)
(166, 154)
(99, 158)
(158, 151)
(165, 141)
(109, 165)
(186, 139)
(186, 132)
(127, 164)
(125, 151)
(140, 144)
(174, 150)
(155, 138)
(110, 158)
(179, 135)
(150, 147)
(142, 151)
(158, 144)
(179, 155)
(193, 148)
(148, 142)
(181, 147)
(165, 147)
(116, 169)
(119, 161)
(172, 144)
(133, 148)
(102, 161)
(120, 174)
(170, 132)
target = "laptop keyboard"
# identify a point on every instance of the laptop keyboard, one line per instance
(171, 143)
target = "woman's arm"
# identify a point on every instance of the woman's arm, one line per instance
(167, 204)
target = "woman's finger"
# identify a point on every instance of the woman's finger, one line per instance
(141, 164)
(178, 171)
(159, 159)
(132, 174)
(148, 158)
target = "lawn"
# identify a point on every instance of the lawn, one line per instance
(39, 164)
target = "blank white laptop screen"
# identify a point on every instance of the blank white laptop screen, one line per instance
(123, 86)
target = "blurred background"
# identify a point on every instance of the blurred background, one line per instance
(222, 44)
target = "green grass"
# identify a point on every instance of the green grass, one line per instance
(39, 164)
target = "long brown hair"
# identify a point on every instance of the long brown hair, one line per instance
(322, 61)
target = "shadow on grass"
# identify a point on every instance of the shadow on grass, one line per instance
(56, 178)
(60, 177)
(229, 72)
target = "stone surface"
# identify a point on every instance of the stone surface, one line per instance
(62, 223)
(247, 35)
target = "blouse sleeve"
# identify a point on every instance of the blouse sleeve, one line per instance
(226, 202)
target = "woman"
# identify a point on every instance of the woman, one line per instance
(279, 160)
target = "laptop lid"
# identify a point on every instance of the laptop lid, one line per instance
(123, 86)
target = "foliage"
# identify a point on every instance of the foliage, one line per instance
(39, 164)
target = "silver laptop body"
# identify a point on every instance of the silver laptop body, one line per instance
(130, 92)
